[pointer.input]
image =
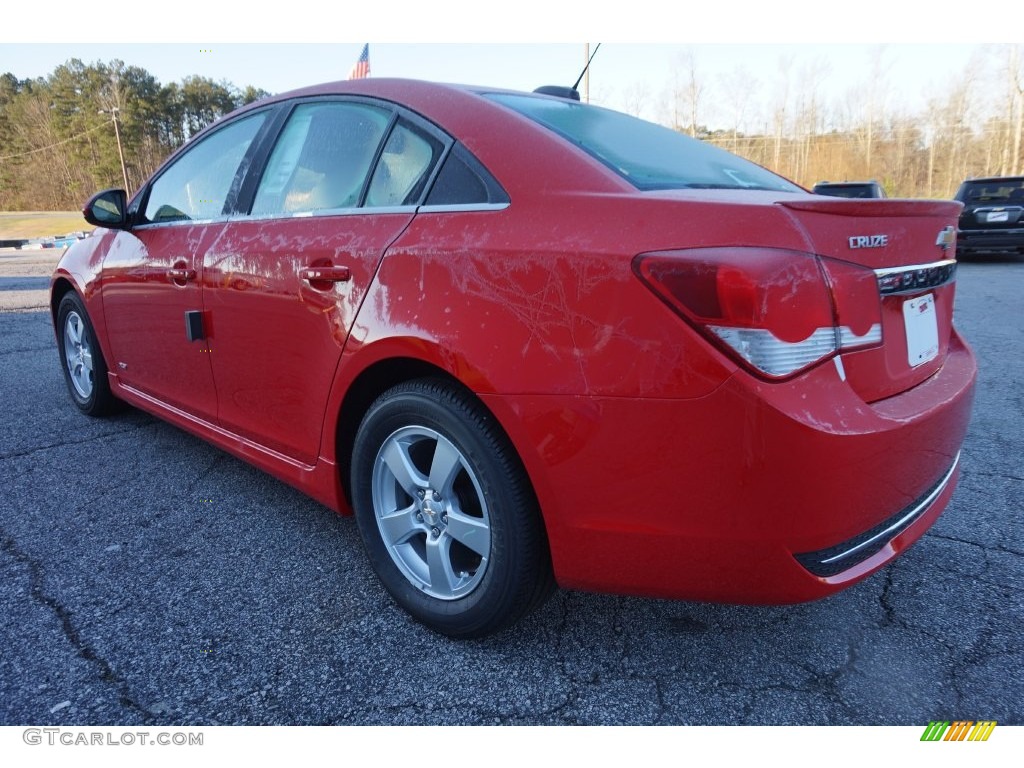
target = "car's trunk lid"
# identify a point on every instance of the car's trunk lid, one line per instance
(908, 244)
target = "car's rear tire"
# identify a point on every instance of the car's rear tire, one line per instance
(446, 512)
(85, 370)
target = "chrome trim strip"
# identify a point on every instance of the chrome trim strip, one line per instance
(182, 223)
(913, 267)
(199, 423)
(463, 207)
(321, 212)
(350, 211)
(915, 278)
(918, 510)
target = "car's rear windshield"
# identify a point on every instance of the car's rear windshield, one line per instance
(846, 190)
(996, 190)
(647, 155)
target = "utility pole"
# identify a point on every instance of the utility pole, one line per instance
(586, 73)
(113, 111)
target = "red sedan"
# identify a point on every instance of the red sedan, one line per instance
(531, 341)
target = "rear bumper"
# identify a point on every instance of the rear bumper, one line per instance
(849, 554)
(990, 240)
(716, 498)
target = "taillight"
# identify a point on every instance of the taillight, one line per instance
(778, 311)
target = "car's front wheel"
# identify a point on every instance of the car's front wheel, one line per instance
(85, 370)
(447, 514)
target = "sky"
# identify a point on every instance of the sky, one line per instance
(622, 75)
(483, 44)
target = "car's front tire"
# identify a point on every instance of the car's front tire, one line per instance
(448, 517)
(85, 370)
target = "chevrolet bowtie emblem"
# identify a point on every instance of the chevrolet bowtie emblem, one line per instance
(947, 238)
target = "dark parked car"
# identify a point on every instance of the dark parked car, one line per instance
(871, 189)
(532, 341)
(992, 220)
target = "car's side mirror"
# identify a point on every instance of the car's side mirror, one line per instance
(107, 209)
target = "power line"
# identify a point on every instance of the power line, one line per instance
(826, 139)
(892, 132)
(51, 146)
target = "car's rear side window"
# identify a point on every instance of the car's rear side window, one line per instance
(464, 181)
(322, 158)
(403, 168)
(647, 155)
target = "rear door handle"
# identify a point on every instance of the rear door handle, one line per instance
(326, 274)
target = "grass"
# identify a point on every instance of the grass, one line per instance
(25, 224)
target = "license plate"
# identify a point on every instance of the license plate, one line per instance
(998, 216)
(922, 329)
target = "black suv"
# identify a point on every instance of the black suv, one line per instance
(849, 189)
(993, 217)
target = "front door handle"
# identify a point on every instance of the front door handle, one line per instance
(326, 274)
(181, 275)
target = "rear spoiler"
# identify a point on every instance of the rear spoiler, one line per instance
(843, 206)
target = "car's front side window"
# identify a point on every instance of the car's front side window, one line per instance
(322, 159)
(196, 185)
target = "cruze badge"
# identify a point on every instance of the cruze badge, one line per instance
(869, 241)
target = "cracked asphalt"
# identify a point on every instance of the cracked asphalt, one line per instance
(148, 578)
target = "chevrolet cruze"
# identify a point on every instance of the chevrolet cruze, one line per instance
(530, 341)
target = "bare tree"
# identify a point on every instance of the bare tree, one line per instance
(877, 93)
(687, 90)
(808, 117)
(779, 115)
(1015, 108)
(636, 98)
(738, 87)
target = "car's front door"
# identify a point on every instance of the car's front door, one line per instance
(283, 284)
(153, 274)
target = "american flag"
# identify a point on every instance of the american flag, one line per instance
(361, 68)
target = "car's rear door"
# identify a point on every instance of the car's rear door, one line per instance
(153, 273)
(284, 281)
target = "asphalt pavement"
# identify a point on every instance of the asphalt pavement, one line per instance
(149, 578)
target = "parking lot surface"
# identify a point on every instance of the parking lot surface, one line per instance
(149, 578)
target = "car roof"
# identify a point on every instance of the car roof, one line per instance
(993, 179)
(374, 85)
(485, 127)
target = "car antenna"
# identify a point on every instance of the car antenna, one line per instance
(585, 68)
(564, 92)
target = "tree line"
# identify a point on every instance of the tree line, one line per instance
(968, 125)
(58, 143)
